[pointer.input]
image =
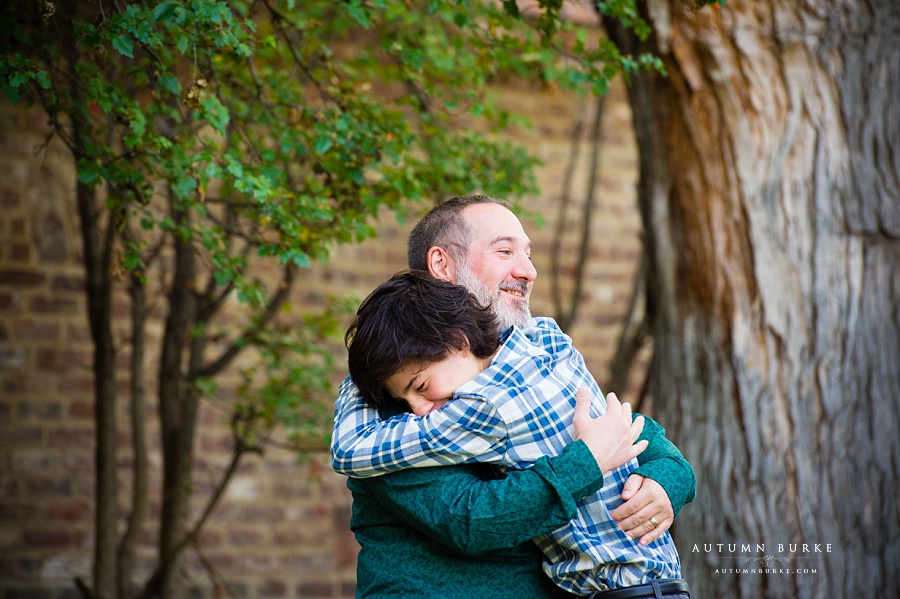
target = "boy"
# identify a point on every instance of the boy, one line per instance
(425, 341)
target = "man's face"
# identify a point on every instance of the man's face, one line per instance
(498, 268)
(427, 387)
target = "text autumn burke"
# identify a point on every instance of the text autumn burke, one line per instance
(761, 548)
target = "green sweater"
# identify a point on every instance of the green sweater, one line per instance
(463, 532)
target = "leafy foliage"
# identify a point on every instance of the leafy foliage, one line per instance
(256, 129)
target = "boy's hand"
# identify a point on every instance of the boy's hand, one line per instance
(611, 438)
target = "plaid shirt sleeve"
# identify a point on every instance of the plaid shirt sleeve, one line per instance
(363, 444)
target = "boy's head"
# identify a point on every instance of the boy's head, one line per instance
(416, 320)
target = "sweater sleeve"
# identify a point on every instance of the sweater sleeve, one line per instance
(663, 462)
(460, 510)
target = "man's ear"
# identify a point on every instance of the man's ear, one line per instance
(441, 264)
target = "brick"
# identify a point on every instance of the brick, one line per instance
(245, 537)
(70, 510)
(36, 330)
(81, 409)
(78, 333)
(19, 252)
(9, 487)
(55, 358)
(54, 305)
(234, 589)
(255, 563)
(69, 593)
(9, 198)
(12, 356)
(79, 461)
(263, 514)
(15, 277)
(223, 562)
(67, 283)
(17, 226)
(49, 410)
(210, 539)
(51, 238)
(10, 301)
(17, 511)
(348, 589)
(77, 383)
(13, 436)
(35, 460)
(273, 589)
(35, 592)
(20, 381)
(58, 486)
(311, 564)
(71, 437)
(288, 536)
(57, 538)
(315, 589)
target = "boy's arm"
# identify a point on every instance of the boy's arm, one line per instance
(663, 462)
(363, 444)
(459, 510)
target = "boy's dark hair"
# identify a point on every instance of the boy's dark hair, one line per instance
(444, 227)
(413, 318)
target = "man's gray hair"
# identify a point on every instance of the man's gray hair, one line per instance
(445, 227)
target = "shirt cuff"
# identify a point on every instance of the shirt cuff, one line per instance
(575, 469)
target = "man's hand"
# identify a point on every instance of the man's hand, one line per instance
(611, 438)
(644, 499)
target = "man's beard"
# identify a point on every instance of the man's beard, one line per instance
(507, 313)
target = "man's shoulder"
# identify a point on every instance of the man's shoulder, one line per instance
(544, 332)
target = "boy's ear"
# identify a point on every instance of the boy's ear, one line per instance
(441, 264)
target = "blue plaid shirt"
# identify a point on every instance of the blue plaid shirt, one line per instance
(518, 409)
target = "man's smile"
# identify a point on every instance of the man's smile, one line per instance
(517, 290)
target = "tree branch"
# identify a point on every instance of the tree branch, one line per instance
(216, 365)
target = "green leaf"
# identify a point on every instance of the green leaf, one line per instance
(11, 93)
(323, 144)
(123, 44)
(164, 11)
(170, 83)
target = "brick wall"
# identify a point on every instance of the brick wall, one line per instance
(282, 529)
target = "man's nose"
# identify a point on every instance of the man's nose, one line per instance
(525, 269)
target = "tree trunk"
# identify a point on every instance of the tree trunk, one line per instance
(97, 242)
(141, 461)
(177, 408)
(774, 234)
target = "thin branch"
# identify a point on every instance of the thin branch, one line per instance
(152, 587)
(140, 465)
(634, 334)
(588, 212)
(561, 214)
(218, 580)
(295, 447)
(566, 316)
(284, 287)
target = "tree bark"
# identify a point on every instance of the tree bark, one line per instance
(177, 410)
(97, 240)
(141, 467)
(774, 233)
